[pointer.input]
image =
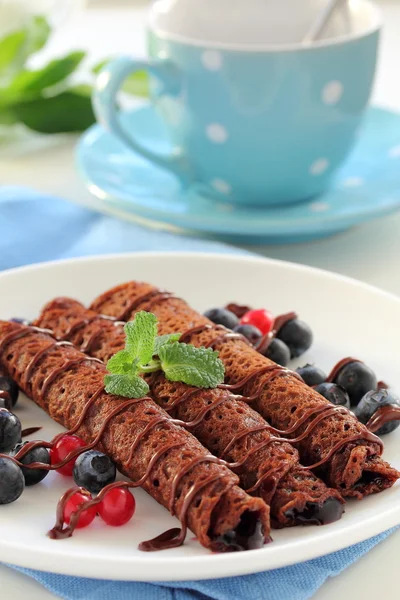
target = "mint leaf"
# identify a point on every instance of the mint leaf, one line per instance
(126, 386)
(122, 363)
(54, 72)
(161, 340)
(199, 367)
(140, 336)
(69, 111)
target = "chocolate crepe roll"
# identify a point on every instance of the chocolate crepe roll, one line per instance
(341, 450)
(227, 426)
(140, 438)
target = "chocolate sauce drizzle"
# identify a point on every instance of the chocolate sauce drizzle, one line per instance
(5, 395)
(384, 414)
(30, 431)
(269, 373)
(149, 298)
(279, 322)
(169, 539)
(348, 361)
(339, 366)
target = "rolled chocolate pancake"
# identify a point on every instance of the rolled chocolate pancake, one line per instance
(338, 447)
(175, 469)
(227, 426)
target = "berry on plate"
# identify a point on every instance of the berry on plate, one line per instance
(370, 403)
(311, 375)
(278, 352)
(42, 455)
(260, 318)
(250, 332)
(62, 448)
(11, 388)
(357, 379)
(10, 430)
(222, 316)
(94, 470)
(12, 482)
(334, 393)
(72, 505)
(297, 335)
(117, 507)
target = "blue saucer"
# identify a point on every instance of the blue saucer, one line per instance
(129, 186)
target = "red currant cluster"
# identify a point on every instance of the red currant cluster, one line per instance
(117, 506)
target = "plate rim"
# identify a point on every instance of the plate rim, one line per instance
(207, 566)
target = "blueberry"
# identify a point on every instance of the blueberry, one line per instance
(278, 352)
(20, 321)
(311, 375)
(42, 455)
(10, 430)
(93, 470)
(222, 316)
(334, 393)
(357, 379)
(11, 481)
(370, 403)
(297, 335)
(253, 334)
(5, 401)
(11, 388)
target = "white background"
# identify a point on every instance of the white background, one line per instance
(370, 253)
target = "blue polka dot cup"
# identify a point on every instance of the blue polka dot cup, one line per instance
(251, 122)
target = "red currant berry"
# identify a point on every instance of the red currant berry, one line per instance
(260, 318)
(62, 448)
(117, 507)
(86, 517)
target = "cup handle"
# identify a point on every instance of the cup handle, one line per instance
(109, 82)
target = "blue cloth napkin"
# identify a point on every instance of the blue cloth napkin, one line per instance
(35, 228)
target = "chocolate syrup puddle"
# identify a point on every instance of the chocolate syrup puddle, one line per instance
(30, 431)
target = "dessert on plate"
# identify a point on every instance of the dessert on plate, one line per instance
(344, 453)
(140, 437)
(227, 426)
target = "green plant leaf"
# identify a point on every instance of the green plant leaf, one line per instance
(126, 386)
(11, 49)
(199, 367)
(161, 340)
(7, 116)
(140, 336)
(39, 31)
(68, 111)
(99, 66)
(54, 72)
(122, 363)
(16, 47)
(137, 84)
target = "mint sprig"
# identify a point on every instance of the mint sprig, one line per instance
(199, 367)
(145, 352)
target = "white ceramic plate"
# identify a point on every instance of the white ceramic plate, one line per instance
(348, 318)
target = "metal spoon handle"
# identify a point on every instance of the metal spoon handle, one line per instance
(321, 21)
